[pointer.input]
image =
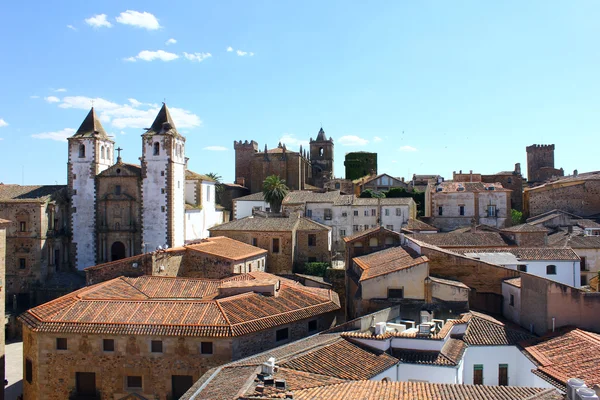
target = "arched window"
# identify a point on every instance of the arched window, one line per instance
(81, 150)
(102, 152)
(320, 151)
(156, 148)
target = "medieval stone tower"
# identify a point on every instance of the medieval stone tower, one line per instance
(321, 157)
(90, 152)
(244, 154)
(540, 163)
(163, 184)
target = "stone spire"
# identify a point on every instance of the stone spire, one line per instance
(321, 136)
(91, 127)
(163, 123)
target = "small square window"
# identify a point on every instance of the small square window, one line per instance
(134, 382)
(23, 226)
(355, 228)
(254, 242)
(366, 226)
(157, 346)
(206, 347)
(61, 343)
(387, 212)
(312, 239)
(550, 269)
(108, 344)
(356, 213)
(344, 214)
(390, 227)
(162, 190)
(312, 325)
(440, 210)
(396, 293)
(308, 213)
(275, 246)
(22, 263)
(282, 334)
(373, 212)
(118, 189)
(366, 212)
(162, 173)
(163, 208)
(342, 232)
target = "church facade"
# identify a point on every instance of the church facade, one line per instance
(301, 170)
(119, 210)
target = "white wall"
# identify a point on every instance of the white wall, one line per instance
(567, 272)
(154, 232)
(243, 208)
(519, 366)
(427, 373)
(390, 373)
(412, 280)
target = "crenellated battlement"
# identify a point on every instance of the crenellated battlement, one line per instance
(245, 145)
(540, 147)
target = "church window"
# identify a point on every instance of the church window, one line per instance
(22, 263)
(118, 189)
(23, 226)
(156, 148)
(102, 152)
(117, 226)
(162, 190)
(320, 151)
(81, 150)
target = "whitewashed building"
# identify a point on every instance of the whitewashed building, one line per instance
(244, 206)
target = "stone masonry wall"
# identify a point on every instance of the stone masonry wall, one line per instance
(124, 267)
(581, 198)
(319, 252)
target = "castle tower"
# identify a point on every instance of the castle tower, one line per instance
(321, 157)
(163, 184)
(244, 154)
(540, 163)
(90, 152)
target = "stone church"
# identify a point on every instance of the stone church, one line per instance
(300, 170)
(119, 210)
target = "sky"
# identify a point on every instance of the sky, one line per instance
(431, 86)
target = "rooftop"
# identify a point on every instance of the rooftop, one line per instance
(417, 225)
(527, 253)
(368, 232)
(225, 247)
(25, 193)
(269, 224)
(565, 239)
(582, 177)
(191, 175)
(388, 261)
(152, 305)
(470, 239)
(457, 187)
(516, 282)
(91, 127)
(527, 228)
(258, 196)
(485, 330)
(568, 353)
(306, 196)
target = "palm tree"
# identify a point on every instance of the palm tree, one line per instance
(274, 191)
(218, 185)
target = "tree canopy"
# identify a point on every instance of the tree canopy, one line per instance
(274, 191)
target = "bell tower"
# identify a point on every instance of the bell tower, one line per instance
(90, 152)
(163, 183)
(321, 157)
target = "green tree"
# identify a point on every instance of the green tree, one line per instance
(368, 194)
(516, 216)
(398, 192)
(274, 191)
(218, 185)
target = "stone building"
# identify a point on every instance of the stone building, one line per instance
(37, 239)
(451, 205)
(540, 163)
(118, 209)
(359, 164)
(3, 225)
(345, 186)
(577, 194)
(290, 241)
(152, 337)
(381, 183)
(300, 170)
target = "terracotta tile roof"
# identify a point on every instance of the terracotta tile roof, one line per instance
(343, 360)
(477, 229)
(516, 282)
(228, 383)
(191, 175)
(447, 240)
(225, 247)
(24, 193)
(484, 330)
(528, 253)
(394, 201)
(306, 196)
(448, 282)
(258, 196)
(376, 390)
(568, 353)
(368, 232)
(177, 306)
(450, 355)
(574, 241)
(387, 261)
(417, 225)
(586, 176)
(452, 187)
(527, 228)
(587, 223)
(271, 224)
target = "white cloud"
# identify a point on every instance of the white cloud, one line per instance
(98, 21)
(60, 136)
(3, 123)
(377, 139)
(134, 114)
(352, 140)
(71, 27)
(34, 97)
(216, 148)
(244, 53)
(148, 55)
(170, 41)
(1, 138)
(123, 133)
(61, 90)
(199, 57)
(139, 19)
(230, 49)
(52, 99)
(407, 148)
(291, 141)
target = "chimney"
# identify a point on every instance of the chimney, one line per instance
(575, 173)
(572, 385)
(518, 168)
(380, 328)
(471, 176)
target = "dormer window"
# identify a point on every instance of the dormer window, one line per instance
(156, 148)
(81, 150)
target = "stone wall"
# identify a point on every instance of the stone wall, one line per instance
(202, 265)
(543, 300)
(2, 301)
(513, 182)
(304, 253)
(576, 197)
(337, 278)
(125, 267)
(530, 239)
(359, 164)
(538, 157)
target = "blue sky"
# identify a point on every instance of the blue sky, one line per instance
(432, 87)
